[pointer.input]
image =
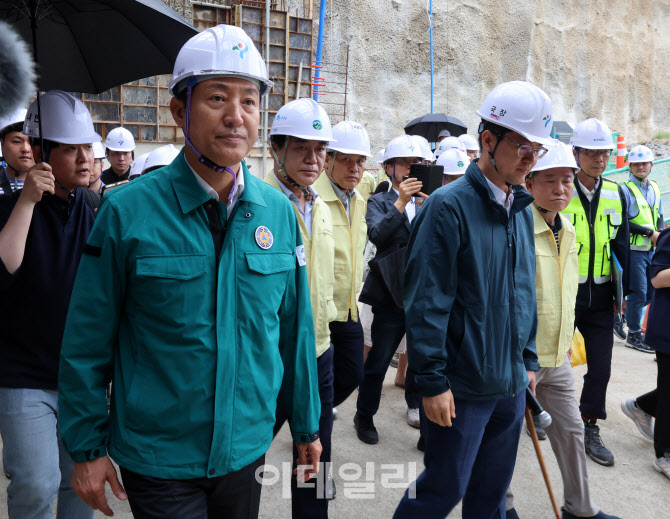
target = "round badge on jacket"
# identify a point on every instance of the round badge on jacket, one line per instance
(264, 237)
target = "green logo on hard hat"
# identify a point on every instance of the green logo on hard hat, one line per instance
(317, 125)
(460, 164)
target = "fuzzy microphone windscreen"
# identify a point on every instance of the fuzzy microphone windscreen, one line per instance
(17, 71)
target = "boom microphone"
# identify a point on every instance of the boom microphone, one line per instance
(543, 418)
(17, 71)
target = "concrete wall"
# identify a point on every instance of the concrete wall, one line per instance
(595, 58)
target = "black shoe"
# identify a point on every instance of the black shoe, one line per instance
(618, 327)
(636, 340)
(421, 444)
(511, 514)
(595, 447)
(365, 429)
(633, 339)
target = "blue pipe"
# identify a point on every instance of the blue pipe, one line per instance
(430, 18)
(319, 49)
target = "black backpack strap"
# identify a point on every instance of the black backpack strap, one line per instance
(92, 199)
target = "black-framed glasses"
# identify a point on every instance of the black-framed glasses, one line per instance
(526, 149)
(595, 153)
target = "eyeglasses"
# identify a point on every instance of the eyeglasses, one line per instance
(595, 153)
(406, 161)
(526, 149)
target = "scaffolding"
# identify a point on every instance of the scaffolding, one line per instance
(332, 79)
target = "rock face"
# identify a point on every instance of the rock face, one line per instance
(594, 58)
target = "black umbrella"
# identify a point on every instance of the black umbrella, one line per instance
(94, 45)
(429, 126)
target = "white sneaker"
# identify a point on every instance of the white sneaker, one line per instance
(334, 413)
(662, 465)
(413, 418)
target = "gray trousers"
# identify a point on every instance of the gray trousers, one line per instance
(555, 388)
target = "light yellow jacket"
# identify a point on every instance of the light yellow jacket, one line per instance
(556, 282)
(349, 246)
(320, 257)
(367, 185)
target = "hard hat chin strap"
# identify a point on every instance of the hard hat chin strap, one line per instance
(201, 158)
(17, 172)
(580, 168)
(348, 192)
(493, 160)
(280, 163)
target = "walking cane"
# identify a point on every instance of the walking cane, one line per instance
(540, 458)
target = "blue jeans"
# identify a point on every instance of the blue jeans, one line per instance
(34, 457)
(472, 460)
(641, 286)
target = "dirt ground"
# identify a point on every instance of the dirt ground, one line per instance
(630, 489)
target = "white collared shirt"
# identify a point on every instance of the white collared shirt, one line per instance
(307, 213)
(589, 194)
(212, 192)
(504, 199)
(410, 208)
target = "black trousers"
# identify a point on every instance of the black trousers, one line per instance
(308, 501)
(388, 328)
(596, 327)
(236, 495)
(657, 404)
(347, 339)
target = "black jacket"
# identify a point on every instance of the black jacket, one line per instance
(34, 299)
(109, 177)
(388, 229)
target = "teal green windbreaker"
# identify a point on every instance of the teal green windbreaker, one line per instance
(197, 348)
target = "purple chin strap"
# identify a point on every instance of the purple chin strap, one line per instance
(201, 158)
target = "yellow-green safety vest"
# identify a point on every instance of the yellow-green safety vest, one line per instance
(646, 216)
(605, 227)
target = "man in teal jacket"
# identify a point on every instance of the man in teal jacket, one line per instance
(192, 297)
(471, 314)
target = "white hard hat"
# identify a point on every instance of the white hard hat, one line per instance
(447, 144)
(16, 117)
(444, 133)
(349, 137)
(403, 146)
(221, 51)
(640, 153)
(454, 161)
(303, 118)
(520, 107)
(65, 119)
(380, 156)
(137, 167)
(469, 142)
(98, 150)
(120, 139)
(592, 134)
(424, 146)
(160, 157)
(559, 156)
